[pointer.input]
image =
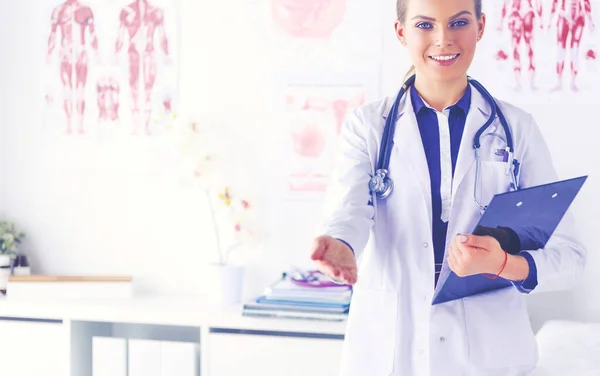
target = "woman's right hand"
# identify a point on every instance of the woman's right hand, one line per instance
(334, 259)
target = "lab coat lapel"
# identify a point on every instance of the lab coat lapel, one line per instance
(478, 114)
(408, 148)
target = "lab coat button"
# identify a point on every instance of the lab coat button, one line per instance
(425, 245)
(442, 339)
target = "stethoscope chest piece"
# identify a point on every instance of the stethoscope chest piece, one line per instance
(381, 185)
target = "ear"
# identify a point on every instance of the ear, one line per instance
(399, 29)
(481, 26)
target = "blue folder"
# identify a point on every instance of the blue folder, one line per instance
(533, 213)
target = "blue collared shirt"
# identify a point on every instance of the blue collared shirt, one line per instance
(427, 120)
(430, 136)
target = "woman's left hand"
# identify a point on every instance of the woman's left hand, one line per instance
(472, 254)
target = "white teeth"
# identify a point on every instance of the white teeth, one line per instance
(444, 58)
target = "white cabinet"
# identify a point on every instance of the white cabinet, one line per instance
(160, 337)
(109, 356)
(272, 355)
(144, 357)
(179, 359)
(33, 348)
(162, 358)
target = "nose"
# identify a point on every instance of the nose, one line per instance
(443, 38)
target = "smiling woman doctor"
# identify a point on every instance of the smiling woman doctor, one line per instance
(401, 241)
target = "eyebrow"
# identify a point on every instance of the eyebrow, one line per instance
(453, 17)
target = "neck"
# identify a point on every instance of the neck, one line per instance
(438, 94)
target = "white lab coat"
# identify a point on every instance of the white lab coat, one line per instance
(393, 329)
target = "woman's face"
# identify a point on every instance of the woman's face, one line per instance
(441, 36)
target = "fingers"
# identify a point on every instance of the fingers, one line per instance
(455, 246)
(475, 241)
(452, 261)
(329, 269)
(458, 258)
(346, 275)
(454, 254)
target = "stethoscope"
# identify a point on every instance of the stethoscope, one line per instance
(381, 185)
(311, 278)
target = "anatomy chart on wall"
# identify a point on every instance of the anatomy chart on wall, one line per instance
(571, 26)
(111, 66)
(313, 117)
(340, 26)
(547, 47)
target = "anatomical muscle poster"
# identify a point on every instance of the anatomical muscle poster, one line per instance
(541, 50)
(110, 66)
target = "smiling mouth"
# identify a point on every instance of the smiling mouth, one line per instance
(444, 57)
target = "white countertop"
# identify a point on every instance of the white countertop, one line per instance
(177, 311)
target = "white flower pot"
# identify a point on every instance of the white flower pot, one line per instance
(4, 270)
(226, 283)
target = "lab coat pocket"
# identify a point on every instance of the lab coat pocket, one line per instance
(493, 179)
(498, 331)
(371, 333)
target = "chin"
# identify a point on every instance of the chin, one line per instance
(448, 76)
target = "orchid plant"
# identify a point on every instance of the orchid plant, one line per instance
(205, 166)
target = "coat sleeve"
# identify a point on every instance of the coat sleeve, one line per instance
(560, 264)
(348, 216)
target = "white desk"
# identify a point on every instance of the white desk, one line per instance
(55, 338)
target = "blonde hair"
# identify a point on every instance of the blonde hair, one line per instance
(410, 72)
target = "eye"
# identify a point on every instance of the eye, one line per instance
(424, 25)
(459, 23)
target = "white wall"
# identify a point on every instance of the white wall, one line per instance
(5, 98)
(92, 205)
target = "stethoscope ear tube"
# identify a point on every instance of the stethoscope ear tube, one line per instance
(495, 112)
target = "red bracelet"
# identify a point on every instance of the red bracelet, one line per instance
(501, 270)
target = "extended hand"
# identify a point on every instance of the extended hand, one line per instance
(472, 254)
(334, 259)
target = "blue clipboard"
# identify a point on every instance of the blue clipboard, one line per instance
(535, 210)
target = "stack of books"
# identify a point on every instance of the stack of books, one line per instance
(290, 298)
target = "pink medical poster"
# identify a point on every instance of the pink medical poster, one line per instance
(343, 26)
(308, 18)
(571, 21)
(521, 20)
(541, 50)
(110, 65)
(313, 114)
